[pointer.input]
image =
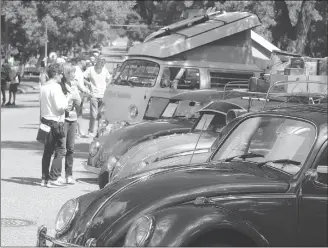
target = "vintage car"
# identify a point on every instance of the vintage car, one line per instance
(265, 185)
(198, 141)
(191, 147)
(164, 116)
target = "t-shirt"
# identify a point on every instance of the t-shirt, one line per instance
(53, 102)
(73, 102)
(13, 72)
(98, 81)
(79, 80)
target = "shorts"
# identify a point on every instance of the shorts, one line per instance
(13, 88)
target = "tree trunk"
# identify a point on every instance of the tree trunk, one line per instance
(283, 31)
(302, 27)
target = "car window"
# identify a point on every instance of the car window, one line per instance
(273, 137)
(322, 168)
(156, 106)
(185, 78)
(190, 79)
(224, 131)
(186, 109)
(220, 79)
(211, 122)
(139, 73)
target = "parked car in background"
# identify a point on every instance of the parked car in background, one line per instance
(197, 143)
(280, 95)
(163, 116)
(264, 185)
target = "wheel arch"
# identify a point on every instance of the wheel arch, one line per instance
(228, 236)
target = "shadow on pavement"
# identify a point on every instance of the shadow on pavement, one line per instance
(24, 180)
(30, 101)
(87, 180)
(20, 106)
(86, 172)
(29, 127)
(81, 149)
(21, 145)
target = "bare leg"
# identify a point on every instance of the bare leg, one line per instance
(3, 96)
(14, 96)
(79, 119)
(9, 101)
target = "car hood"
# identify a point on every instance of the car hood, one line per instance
(119, 141)
(119, 204)
(158, 149)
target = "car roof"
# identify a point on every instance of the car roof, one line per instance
(220, 107)
(316, 113)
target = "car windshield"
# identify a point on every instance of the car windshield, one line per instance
(184, 109)
(155, 108)
(273, 138)
(210, 122)
(138, 73)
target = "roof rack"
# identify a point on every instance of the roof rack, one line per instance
(184, 24)
(301, 92)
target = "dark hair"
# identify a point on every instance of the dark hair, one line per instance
(100, 61)
(63, 85)
(53, 70)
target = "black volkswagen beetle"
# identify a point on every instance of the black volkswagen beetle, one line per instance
(264, 185)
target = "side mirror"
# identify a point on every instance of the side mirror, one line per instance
(311, 175)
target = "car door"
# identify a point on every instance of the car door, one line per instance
(313, 205)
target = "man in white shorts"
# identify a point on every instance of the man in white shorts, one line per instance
(97, 77)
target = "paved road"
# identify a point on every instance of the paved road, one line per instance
(21, 195)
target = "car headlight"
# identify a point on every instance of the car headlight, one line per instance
(103, 123)
(111, 163)
(140, 232)
(102, 154)
(133, 111)
(94, 147)
(66, 215)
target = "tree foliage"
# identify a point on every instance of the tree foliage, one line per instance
(296, 26)
(68, 23)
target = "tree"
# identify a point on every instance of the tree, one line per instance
(295, 26)
(69, 23)
(294, 19)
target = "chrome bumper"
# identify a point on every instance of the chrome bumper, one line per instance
(91, 168)
(42, 239)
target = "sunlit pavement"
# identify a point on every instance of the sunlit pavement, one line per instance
(25, 205)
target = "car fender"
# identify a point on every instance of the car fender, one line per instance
(182, 225)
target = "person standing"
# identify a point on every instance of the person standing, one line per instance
(4, 81)
(70, 125)
(83, 91)
(43, 78)
(53, 104)
(99, 77)
(14, 82)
